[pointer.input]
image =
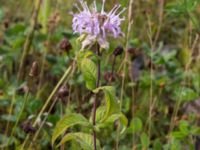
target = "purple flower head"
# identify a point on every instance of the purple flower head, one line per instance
(97, 26)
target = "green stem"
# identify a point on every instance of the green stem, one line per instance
(42, 67)
(19, 116)
(29, 39)
(52, 93)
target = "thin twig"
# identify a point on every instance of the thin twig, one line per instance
(125, 61)
(19, 116)
(178, 102)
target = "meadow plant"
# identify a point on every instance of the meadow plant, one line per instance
(94, 27)
(89, 79)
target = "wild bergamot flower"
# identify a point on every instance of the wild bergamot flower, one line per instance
(97, 26)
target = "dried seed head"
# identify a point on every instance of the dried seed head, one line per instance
(34, 71)
(109, 77)
(151, 64)
(162, 85)
(28, 127)
(23, 89)
(65, 45)
(63, 92)
(53, 21)
(38, 26)
(1, 92)
(131, 50)
(6, 24)
(118, 50)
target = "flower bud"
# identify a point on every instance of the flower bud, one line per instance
(118, 50)
(65, 45)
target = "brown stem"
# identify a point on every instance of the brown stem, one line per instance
(95, 101)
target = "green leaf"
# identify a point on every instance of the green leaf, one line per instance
(84, 140)
(88, 68)
(186, 94)
(195, 131)
(178, 134)
(184, 127)
(111, 103)
(8, 117)
(66, 122)
(111, 119)
(16, 29)
(175, 145)
(167, 56)
(102, 123)
(157, 145)
(100, 112)
(136, 125)
(144, 140)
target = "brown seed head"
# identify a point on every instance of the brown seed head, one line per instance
(28, 127)
(131, 50)
(34, 71)
(118, 50)
(109, 77)
(6, 24)
(65, 45)
(63, 91)
(22, 90)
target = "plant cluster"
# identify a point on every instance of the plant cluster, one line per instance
(95, 79)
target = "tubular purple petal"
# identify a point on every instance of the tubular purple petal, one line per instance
(97, 25)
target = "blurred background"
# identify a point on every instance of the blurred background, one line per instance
(157, 77)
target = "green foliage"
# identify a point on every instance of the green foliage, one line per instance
(144, 140)
(111, 119)
(88, 68)
(111, 102)
(161, 75)
(182, 6)
(185, 8)
(84, 140)
(185, 130)
(135, 125)
(186, 94)
(66, 122)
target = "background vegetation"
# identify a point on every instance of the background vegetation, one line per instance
(157, 77)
